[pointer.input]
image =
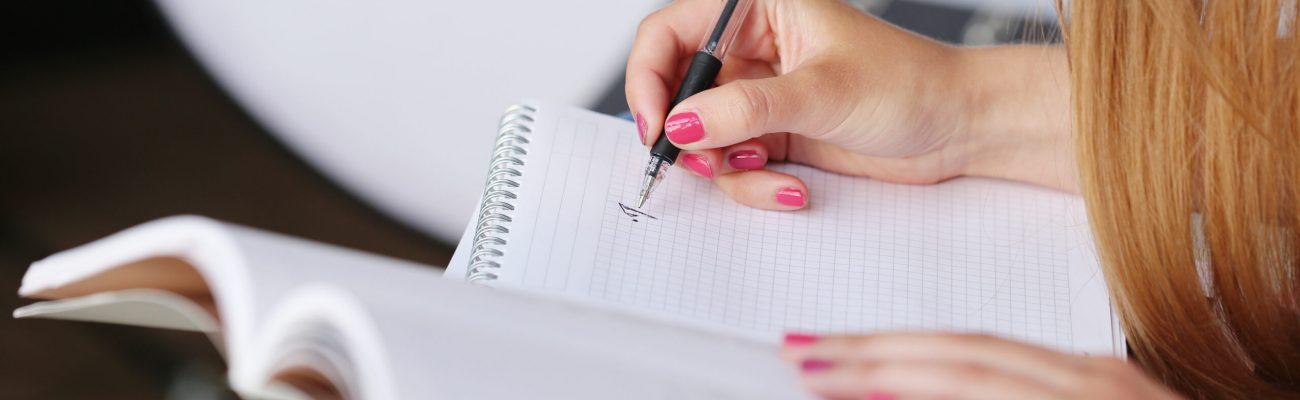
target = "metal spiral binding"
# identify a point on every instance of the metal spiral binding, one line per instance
(503, 177)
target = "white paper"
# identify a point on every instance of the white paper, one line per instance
(970, 254)
(141, 307)
(434, 339)
(389, 329)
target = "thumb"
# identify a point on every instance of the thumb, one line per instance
(741, 110)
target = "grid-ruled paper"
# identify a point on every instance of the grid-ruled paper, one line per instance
(966, 255)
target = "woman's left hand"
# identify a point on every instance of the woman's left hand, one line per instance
(959, 366)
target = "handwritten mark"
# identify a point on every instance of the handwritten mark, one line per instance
(634, 213)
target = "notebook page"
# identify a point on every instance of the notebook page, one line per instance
(967, 255)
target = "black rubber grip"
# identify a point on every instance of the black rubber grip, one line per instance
(699, 77)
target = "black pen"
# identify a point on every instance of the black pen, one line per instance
(699, 76)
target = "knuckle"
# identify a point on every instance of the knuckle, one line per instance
(755, 104)
(650, 23)
(645, 26)
(862, 345)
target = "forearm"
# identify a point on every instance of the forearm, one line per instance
(1020, 115)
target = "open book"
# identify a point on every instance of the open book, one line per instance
(558, 217)
(298, 319)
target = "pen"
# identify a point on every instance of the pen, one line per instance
(699, 76)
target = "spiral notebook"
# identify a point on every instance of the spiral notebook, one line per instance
(557, 216)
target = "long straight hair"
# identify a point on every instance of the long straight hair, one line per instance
(1187, 120)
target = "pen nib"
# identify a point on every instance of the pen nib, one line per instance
(653, 174)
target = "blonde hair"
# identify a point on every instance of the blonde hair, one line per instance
(1187, 119)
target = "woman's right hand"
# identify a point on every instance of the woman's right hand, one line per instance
(818, 82)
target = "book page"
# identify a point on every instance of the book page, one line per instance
(429, 338)
(247, 271)
(379, 328)
(969, 255)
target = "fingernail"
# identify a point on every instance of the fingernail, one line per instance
(684, 128)
(745, 159)
(880, 396)
(699, 164)
(799, 339)
(640, 126)
(790, 196)
(814, 365)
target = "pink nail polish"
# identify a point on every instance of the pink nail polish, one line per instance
(745, 159)
(880, 396)
(698, 163)
(814, 365)
(790, 196)
(640, 126)
(799, 339)
(684, 128)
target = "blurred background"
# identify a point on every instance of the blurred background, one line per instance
(361, 124)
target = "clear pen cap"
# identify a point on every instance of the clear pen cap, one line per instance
(725, 29)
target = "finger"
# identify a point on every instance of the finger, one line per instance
(765, 189)
(987, 351)
(702, 163)
(738, 68)
(919, 380)
(733, 112)
(748, 108)
(664, 41)
(744, 156)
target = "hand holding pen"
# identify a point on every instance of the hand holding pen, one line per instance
(700, 75)
(820, 83)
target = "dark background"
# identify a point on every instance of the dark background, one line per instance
(106, 121)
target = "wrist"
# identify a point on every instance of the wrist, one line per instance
(1017, 114)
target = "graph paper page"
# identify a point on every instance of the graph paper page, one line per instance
(970, 255)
